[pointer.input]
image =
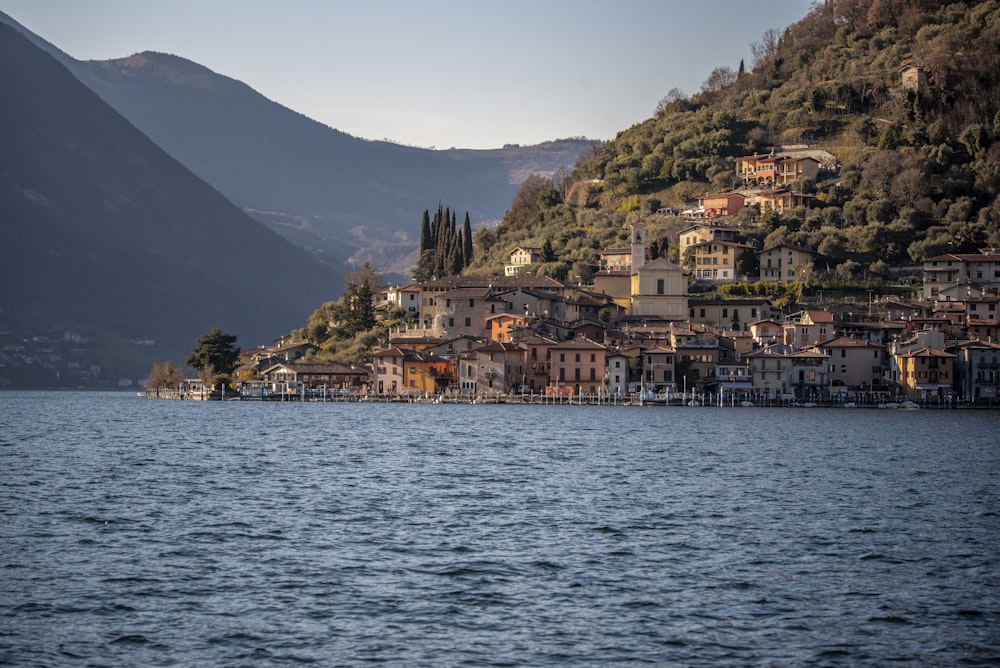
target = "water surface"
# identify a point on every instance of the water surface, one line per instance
(138, 532)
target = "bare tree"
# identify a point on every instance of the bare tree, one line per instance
(766, 49)
(673, 95)
(718, 79)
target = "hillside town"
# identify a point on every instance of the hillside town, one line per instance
(636, 335)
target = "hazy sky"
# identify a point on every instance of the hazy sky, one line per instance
(434, 73)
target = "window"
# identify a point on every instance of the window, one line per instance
(472, 302)
(659, 286)
(593, 357)
(451, 322)
(562, 357)
(701, 313)
(468, 322)
(725, 313)
(576, 373)
(447, 303)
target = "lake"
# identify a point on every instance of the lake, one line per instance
(143, 532)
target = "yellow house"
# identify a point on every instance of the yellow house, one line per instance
(926, 373)
(701, 232)
(716, 260)
(781, 200)
(785, 264)
(776, 170)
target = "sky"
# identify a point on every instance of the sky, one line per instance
(434, 73)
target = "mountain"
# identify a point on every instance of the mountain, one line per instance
(105, 237)
(344, 198)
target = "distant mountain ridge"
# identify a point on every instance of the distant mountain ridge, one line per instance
(344, 198)
(103, 234)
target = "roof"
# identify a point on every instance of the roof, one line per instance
(580, 343)
(328, 369)
(731, 193)
(500, 347)
(717, 242)
(991, 256)
(800, 249)
(496, 282)
(927, 352)
(845, 342)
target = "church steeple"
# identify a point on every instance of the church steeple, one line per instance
(638, 245)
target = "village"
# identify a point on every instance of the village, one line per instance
(636, 335)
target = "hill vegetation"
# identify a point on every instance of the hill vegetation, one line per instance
(917, 169)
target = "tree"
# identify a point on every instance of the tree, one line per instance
(467, 241)
(766, 49)
(163, 376)
(215, 353)
(718, 79)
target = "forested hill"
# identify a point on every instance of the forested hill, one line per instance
(916, 172)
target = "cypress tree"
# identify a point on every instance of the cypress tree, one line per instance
(426, 238)
(467, 241)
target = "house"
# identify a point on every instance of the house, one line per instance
(284, 350)
(502, 327)
(431, 290)
(465, 311)
(729, 313)
(402, 371)
(808, 375)
(716, 260)
(766, 332)
(785, 263)
(977, 369)
(769, 371)
(659, 288)
(616, 259)
(658, 370)
(500, 368)
(733, 378)
(622, 376)
(914, 78)
(521, 257)
(926, 373)
(981, 270)
(406, 297)
(579, 364)
(294, 377)
(697, 355)
(721, 204)
(706, 231)
(455, 346)
(854, 363)
(807, 328)
(736, 344)
(538, 359)
(776, 169)
(781, 199)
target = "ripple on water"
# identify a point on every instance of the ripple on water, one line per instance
(146, 533)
